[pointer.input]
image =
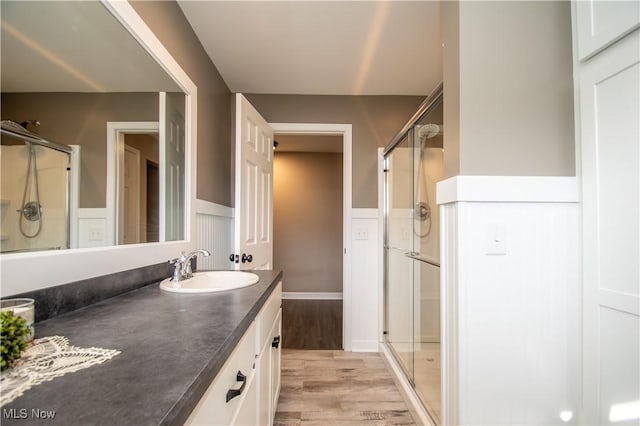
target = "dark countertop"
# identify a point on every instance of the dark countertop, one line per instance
(172, 346)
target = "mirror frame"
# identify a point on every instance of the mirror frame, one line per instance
(22, 272)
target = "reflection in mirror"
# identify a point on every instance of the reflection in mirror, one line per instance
(34, 185)
(139, 188)
(72, 67)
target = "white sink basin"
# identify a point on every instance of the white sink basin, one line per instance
(211, 281)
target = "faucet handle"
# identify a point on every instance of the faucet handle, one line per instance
(177, 270)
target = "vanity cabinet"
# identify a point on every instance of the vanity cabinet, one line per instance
(268, 348)
(246, 390)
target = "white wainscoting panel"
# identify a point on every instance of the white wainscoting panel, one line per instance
(511, 311)
(214, 232)
(93, 228)
(365, 280)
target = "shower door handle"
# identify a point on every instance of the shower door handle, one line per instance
(415, 255)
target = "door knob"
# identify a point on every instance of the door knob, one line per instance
(247, 258)
(234, 258)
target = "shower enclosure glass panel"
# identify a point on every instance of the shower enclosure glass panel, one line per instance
(399, 300)
(428, 155)
(412, 253)
(35, 197)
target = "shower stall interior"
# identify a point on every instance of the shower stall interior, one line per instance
(35, 191)
(413, 164)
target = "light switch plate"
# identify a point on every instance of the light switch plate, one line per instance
(496, 243)
(362, 234)
(96, 234)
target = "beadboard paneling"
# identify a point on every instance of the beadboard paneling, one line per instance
(214, 232)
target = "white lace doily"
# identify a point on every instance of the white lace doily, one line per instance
(46, 359)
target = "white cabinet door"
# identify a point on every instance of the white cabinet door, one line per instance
(276, 351)
(610, 147)
(263, 364)
(269, 329)
(254, 188)
(602, 22)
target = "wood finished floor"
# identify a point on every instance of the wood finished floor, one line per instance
(311, 324)
(338, 388)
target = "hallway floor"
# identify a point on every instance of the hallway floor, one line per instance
(321, 387)
(311, 324)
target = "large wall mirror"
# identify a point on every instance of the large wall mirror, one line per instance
(72, 74)
(97, 141)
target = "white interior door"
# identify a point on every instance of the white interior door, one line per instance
(254, 188)
(172, 166)
(131, 189)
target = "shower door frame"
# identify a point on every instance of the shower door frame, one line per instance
(407, 131)
(72, 180)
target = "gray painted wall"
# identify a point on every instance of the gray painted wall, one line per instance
(375, 120)
(307, 228)
(80, 119)
(508, 88)
(168, 23)
(508, 96)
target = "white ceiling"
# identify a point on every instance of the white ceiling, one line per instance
(73, 46)
(322, 47)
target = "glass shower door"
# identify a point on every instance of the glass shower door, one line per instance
(35, 198)
(399, 296)
(413, 166)
(428, 167)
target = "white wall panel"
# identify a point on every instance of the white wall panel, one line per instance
(609, 107)
(365, 280)
(620, 376)
(511, 321)
(214, 232)
(617, 112)
(602, 22)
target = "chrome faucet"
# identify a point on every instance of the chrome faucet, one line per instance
(182, 264)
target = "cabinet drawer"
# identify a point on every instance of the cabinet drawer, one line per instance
(266, 317)
(246, 416)
(213, 407)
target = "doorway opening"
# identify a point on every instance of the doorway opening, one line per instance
(133, 186)
(343, 133)
(308, 235)
(141, 189)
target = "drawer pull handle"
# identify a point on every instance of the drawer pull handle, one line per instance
(232, 393)
(276, 342)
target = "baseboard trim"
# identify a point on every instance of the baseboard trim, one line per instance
(415, 406)
(364, 346)
(308, 295)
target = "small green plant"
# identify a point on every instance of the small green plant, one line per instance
(13, 338)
